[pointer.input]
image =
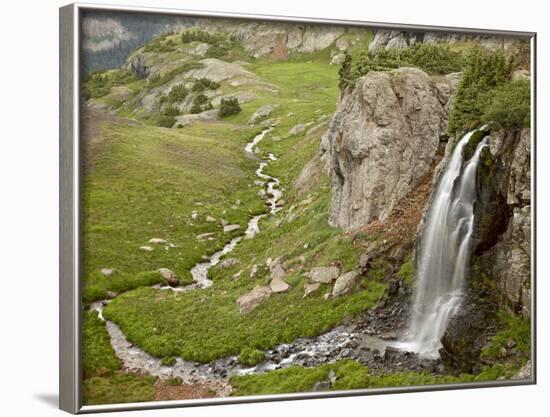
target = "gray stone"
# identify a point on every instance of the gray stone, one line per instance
(299, 128)
(261, 113)
(231, 228)
(277, 271)
(381, 142)
(229, 262)
(169, 276)
(345, 283)
(253, 299)
(146, 248)
(205, 236)
(310, 288)
(158, 241)
(107, 272)
(210, 219)
(324, 274)
(278, 285)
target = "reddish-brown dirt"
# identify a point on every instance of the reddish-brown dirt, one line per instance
(165, 391)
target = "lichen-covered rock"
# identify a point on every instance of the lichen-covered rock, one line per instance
(381, 141)
(345, 283)
(324, 274)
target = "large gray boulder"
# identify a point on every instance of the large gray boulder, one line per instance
(381, 142)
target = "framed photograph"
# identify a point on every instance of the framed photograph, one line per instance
(259, 208)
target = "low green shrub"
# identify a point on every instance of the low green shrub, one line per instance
(200, 104)
(509, 105)
(483, 72)
(433, 59)
(177, 93)
(203, 84)
(229, 106)
(251, 357)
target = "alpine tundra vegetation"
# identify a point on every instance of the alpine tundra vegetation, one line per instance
(272, 208)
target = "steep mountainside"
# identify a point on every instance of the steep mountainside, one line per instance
(255, 195)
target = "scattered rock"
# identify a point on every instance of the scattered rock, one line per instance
(205, 236)
(510, 343)
(229, 262)
(224, 222)
(327, 296)
(210, 219)
(231, 228)
(278, 285)
(158, 241)
(299, 128)
(321, 386)
(169, 276)
(524, 372)
(194, 215)
(253, 271)
(111, 294)
(345, 283)
(324, 274)
(332, 377)
(261, 113)
(107, 271)
(253, 299)
(309, 288)
(277, 271)
(146, 248)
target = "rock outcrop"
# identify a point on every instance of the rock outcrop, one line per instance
(500, 273)
(397, 39)
(382, 141)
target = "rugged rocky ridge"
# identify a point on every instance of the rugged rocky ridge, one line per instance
(390, 39)
(382, 141)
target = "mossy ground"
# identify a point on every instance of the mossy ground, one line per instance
(351, 375)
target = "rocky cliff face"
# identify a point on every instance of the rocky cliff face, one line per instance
(501, 266)
(382, 141)
(279, 39)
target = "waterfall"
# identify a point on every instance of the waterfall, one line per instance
(444, 253)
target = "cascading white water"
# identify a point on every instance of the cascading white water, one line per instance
(444, 253)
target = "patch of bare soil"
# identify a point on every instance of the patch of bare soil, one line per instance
(166, 391)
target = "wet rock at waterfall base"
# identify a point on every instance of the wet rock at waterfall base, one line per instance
(468, 331)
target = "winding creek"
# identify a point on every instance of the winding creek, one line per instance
(338, 343)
